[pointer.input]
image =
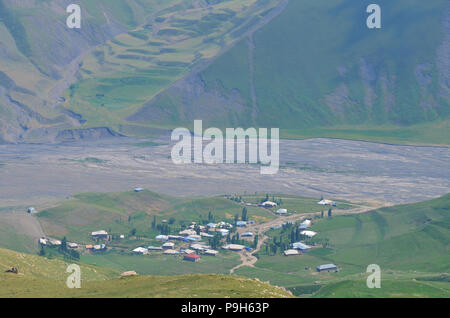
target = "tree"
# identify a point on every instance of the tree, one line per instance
(330, 213)
(172, 220)
(133, 232)
(63, 246)
(236, 218)
(321, 214)
(154, 222)
(255, 241)
(244, 214)
(42, 251)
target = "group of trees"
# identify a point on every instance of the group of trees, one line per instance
(330, 213)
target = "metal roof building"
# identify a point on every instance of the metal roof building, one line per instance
(300, 246)
(281, 211)
(191, 257)
(327, 267)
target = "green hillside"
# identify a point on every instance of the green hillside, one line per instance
(119, 213)
(55, 79)
(317, 70)
(409, 242)
(311, 68)
(42, 277)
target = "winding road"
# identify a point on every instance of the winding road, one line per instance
(249, 259)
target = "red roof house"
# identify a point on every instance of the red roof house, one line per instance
(191, 257)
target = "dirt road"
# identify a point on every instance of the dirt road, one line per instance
(248, 258)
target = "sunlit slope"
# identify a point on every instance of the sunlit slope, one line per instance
(317, 70)
(42, 277)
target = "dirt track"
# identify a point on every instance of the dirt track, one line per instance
(248, 259)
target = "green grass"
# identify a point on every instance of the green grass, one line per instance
(11, 239)
(296, 203)
(157, 263)
(294, 73)
(406, 241)
(119, 213)
(428, 133)
(141, 64)
(41, 277)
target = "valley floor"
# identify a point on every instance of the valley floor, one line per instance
(353, 170)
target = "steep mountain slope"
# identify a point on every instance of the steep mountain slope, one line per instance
(53, 78)
(312, 68)
(318, 65)
(39, 58)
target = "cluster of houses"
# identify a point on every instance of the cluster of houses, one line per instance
(46, 241)
(191, 242)
(103, 235)
(298, 248)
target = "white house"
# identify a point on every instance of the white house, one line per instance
(247, 234)
(162, 238)
(54, 242)
(171, 252)
(305, 224)
(281, 211)
(99, 234)
(309, 234)
(140, 250)
(72, 245)
(198, 247)
(43, 241)
(290, 252)
(168, 245)
(31, 210)
(325, 202)
(211, 252)
(187, 232)
(269, 204)
(234, 247)
(155, 248)
(301, 247)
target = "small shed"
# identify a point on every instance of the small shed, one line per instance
(168, 245)
(327, 268)
(281, 211)
(31, 210)
(290, 252)
(99, 235)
